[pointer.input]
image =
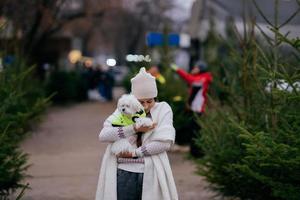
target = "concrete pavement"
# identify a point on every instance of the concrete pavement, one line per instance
(66, 155)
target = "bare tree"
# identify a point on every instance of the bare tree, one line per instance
(126, 28)
(119, 27)
(38, 20)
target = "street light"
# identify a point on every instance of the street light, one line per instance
(138, 58)
(111, 62)
(130, 57)
(74, 56)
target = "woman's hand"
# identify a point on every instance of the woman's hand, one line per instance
(125, 155)
(174, 66)
(144, 129)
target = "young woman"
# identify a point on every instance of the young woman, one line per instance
(144, 173)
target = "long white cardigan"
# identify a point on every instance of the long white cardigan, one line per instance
(158, 181)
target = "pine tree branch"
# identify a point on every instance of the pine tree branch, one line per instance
(281, 37)
(297, 57)
(261, 13)
(290, 18)
(22, 193)
(237, 34)
(244, 20)
(264, 57)
(295, 42)
(285, 75)
(268, 39)
(264, 72)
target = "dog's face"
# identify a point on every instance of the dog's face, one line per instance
(129, 105)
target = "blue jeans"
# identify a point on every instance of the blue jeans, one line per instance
(129, 185)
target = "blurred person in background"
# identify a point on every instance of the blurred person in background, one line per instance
(109, 83)
(106, 83)
(198, 81)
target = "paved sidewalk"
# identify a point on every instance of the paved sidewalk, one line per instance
(65, 155)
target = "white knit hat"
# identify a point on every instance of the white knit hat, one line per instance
(143, 85)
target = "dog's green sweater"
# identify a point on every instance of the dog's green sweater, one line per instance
(124, 120)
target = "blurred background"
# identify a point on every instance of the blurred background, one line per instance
(79, 55)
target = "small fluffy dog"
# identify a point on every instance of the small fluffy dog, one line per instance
(131, 111)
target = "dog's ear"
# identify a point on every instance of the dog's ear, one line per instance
(121, 101)
(119, 104)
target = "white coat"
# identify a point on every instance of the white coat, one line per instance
(158, 181)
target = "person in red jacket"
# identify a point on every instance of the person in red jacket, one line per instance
(198, 80)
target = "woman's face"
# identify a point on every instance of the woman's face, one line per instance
(147, 104)
(195, 70)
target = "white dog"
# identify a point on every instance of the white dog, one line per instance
(131, 111)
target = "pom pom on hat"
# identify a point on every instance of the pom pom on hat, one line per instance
(143, 85)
